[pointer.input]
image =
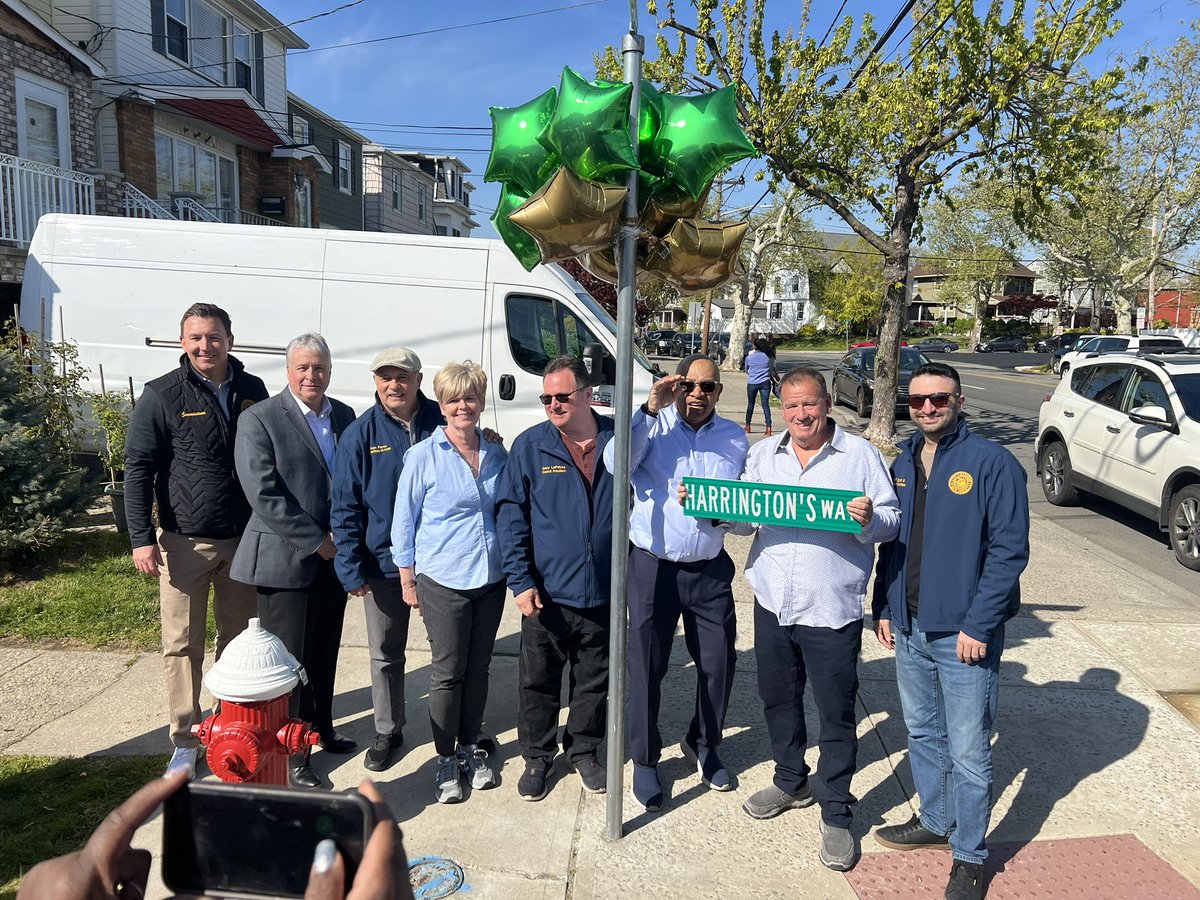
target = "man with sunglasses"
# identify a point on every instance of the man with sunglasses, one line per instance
(963, 500)
(554, 518)
(678, 567)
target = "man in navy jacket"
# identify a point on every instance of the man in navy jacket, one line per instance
(554, 515)
(366, 470)
(943, 590)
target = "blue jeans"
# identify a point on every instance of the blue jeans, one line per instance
(753, 393)
(949, 708)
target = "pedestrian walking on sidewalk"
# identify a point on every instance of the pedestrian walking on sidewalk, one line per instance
(678, 567)
(761, 378)
(809, 588)
(943, 590)
(179, 460)
(366, 470)
(554, 515)
(445, 545)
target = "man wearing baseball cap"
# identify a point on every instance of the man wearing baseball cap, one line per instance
(366, 470)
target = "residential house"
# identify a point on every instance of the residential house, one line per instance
(452, 192)
(48, 154)
(339, 185)
(930, 273)
(396, 193)
(193, 111)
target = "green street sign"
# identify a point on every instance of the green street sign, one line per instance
(823, 509)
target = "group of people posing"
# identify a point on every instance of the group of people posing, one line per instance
(285, 504)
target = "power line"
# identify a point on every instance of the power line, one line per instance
(209, 37)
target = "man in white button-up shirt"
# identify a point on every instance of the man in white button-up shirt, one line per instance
(678, 567)
(809, 587)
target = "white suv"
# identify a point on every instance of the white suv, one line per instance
(1127, 427)
(1150, 343)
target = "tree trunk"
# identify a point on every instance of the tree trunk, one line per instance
(743, 307)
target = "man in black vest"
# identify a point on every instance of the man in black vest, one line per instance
(179, 456)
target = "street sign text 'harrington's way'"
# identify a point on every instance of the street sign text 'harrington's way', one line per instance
(770, 504)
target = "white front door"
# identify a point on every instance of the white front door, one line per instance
(43, 137)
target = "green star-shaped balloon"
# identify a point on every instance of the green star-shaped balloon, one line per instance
(519, 241)
(699, 138)
(589, 129)
(517, 158)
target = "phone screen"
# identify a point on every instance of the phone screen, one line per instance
(259, 841)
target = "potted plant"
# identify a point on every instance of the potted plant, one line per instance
(111, 412)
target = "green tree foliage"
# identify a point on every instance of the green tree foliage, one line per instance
(1142, 205)
(874, 135)
(854, 288)
(41, 491)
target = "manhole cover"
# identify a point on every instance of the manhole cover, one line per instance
(434, 876)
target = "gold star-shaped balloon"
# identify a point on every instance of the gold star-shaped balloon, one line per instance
(697, 255)
(570, 216)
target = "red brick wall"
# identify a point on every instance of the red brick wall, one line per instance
(135, 136)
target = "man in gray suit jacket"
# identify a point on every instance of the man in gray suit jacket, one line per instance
(284, 456)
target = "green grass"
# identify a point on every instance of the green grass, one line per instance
(51, 805)
(817, 342)
(83, 591)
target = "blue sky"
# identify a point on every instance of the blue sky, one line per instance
(445, 81)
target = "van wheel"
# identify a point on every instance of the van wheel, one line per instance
(1056, 475)
(860, 404)
(1183, 526)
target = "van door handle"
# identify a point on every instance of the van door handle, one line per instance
(1112, 428)
(1068, 414)
(508, 387)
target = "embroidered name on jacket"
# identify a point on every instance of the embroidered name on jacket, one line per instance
(382, 448)
(192, 415)
(554, 470)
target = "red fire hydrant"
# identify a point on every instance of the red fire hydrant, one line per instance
(252, 736)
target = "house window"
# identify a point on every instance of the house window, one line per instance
(422, 198)
(300, 130)
(397, 184)
(439, 230)
(177, 29)
(187, 168)
(243, 58)
(775, 310)
(345, 181)
(455, 232)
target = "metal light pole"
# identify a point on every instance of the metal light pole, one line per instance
(632, 48)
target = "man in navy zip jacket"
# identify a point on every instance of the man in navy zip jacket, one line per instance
(366, 470)
(554, 516)
(943, 590)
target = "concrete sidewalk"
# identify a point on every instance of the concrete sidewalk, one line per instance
(1088, 746)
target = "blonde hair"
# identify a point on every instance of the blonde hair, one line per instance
(455, 380)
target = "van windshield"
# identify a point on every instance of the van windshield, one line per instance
(600, 313)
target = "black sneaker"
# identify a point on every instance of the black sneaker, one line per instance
(532, 785)
(383, 754)
(591, 773)
(966, 881)
(912, 835)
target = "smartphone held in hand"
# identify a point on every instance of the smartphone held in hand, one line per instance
(232, 840)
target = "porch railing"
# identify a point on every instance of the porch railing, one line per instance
(30, 190)
(139, 206)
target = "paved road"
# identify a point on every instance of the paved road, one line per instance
(1003, 404)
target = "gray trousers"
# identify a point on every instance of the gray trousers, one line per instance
(387, 617)
(462, 628)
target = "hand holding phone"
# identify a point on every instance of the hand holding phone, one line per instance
(383, 872)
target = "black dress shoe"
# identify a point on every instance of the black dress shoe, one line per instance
(332, 742)
(304, 777)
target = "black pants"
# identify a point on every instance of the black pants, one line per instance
(563, 636)
(462, 629)
(826, 658)
(309, 622)
(660, 593)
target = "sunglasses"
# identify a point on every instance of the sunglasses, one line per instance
(939, 400)
(561, 398)
(706, 387)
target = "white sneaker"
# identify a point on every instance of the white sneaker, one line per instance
(448, 786)
(182, 760)
(476, 762)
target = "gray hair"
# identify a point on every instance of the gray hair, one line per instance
(308, 341)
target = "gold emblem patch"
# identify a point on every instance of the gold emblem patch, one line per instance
(961, 482)
(246, 404)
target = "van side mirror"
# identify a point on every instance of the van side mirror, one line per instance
(593, 358)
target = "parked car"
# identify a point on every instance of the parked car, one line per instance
(1002, 344)
(1057, 356)
(855, 346)
(936, 345)
(687, 344)
(1115, 343)
(1058, 341)
(854, 378)
(1127, 427)
(659, 341)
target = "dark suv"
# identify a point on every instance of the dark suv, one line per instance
(659, 342)
(687, 344)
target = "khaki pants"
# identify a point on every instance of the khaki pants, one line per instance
(190, 567)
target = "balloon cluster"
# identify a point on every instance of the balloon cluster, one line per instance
(562, 160)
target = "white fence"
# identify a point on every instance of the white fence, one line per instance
(30, 190)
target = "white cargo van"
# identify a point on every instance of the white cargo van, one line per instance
(118, 287)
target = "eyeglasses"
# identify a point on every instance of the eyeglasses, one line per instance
(561, 398)
(939, 400)
(706, 387)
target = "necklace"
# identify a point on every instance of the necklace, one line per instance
(470, 456)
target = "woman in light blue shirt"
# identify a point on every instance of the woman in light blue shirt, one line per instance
(760, 376)
(444, 542)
